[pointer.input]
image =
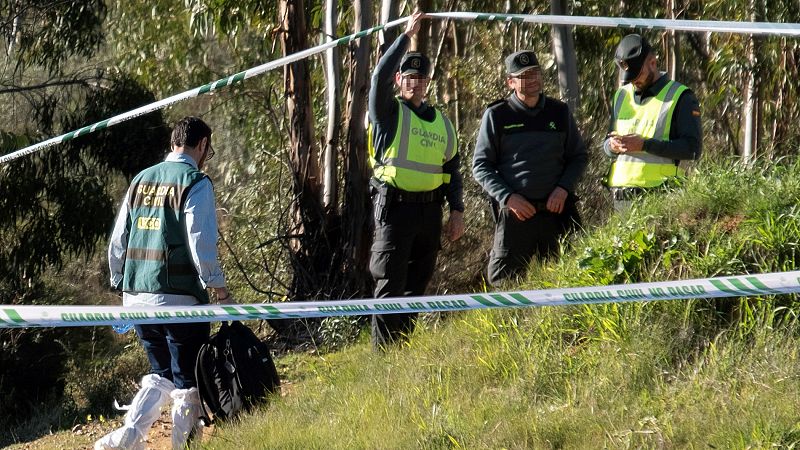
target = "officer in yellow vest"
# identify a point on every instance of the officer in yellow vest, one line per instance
(655, 123)
(414, 155)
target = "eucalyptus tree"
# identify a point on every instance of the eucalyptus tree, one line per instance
(321, 229)
(356, 209)
(333, 82)
(389, 11)
(564, 51)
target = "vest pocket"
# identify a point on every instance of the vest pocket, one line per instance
(181, 273)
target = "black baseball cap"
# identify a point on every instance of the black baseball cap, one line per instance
(630, 56)
(520, 61)
(414, 62)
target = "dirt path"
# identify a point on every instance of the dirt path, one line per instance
(82, 437)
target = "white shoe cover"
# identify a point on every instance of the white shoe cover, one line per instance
(185, 417)
(144, 410)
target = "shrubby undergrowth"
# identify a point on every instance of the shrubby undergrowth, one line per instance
(683, 373)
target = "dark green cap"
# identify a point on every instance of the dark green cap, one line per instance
(630, 56)
(520, 61)
(414, 62)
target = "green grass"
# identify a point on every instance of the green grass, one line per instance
(502, 379)
(672, 374)
(699, 373)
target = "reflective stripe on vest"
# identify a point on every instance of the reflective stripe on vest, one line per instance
(651, 119)
(413, 161)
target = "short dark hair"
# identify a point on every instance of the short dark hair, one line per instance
(189, 131)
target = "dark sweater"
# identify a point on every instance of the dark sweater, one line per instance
(528, 151)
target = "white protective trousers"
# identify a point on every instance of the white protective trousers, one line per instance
(144, 410)
(185, 417)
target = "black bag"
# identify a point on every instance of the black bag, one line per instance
(234, 371)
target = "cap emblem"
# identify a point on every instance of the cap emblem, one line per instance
(416, 63)
(524, 60)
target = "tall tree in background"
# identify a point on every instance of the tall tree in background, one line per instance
(333, 80)
(356, 209)
(308, 224)
(564, 51)
(421, 42)
(389, 9)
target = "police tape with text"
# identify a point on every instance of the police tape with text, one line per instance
(734, 286)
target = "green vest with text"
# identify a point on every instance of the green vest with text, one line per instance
(413, 160)
(651, 119)
(158, 258)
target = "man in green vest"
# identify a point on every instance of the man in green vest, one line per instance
(414, 156)
(163, 252)
(655, 124)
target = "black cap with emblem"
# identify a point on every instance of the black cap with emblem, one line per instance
(631, 55)
(414, 62)
(520, 61)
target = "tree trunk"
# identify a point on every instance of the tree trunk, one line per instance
(307, 215)
(386, 37)
(564, 51)
(673, 52)
(421, 41)
(752, 102)
(357, 209)
(332, 72)
(458, 52)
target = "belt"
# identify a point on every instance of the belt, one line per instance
(402, 196)
(540, 206)
(396, 195)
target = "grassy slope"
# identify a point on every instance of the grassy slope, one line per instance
(686, 374)
(671, 374)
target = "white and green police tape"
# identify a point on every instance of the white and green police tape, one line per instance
(714, 26)
(761, 28)
(735, 286)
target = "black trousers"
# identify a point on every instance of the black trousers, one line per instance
(516, 241)
(407, 241)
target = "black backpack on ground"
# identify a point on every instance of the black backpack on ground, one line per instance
(234, 371)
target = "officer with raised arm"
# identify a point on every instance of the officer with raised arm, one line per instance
(414, 157)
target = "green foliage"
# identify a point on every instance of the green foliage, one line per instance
(337, 332)
(673, 373)
(126, 148)
(59, 203)
(619, 261)
(46, 33)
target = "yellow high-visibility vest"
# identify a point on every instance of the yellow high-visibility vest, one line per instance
(413, 161)
(651, 119)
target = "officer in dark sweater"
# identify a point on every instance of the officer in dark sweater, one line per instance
(414, 156)
(528, 157)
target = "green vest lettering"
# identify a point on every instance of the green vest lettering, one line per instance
(651, 119)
